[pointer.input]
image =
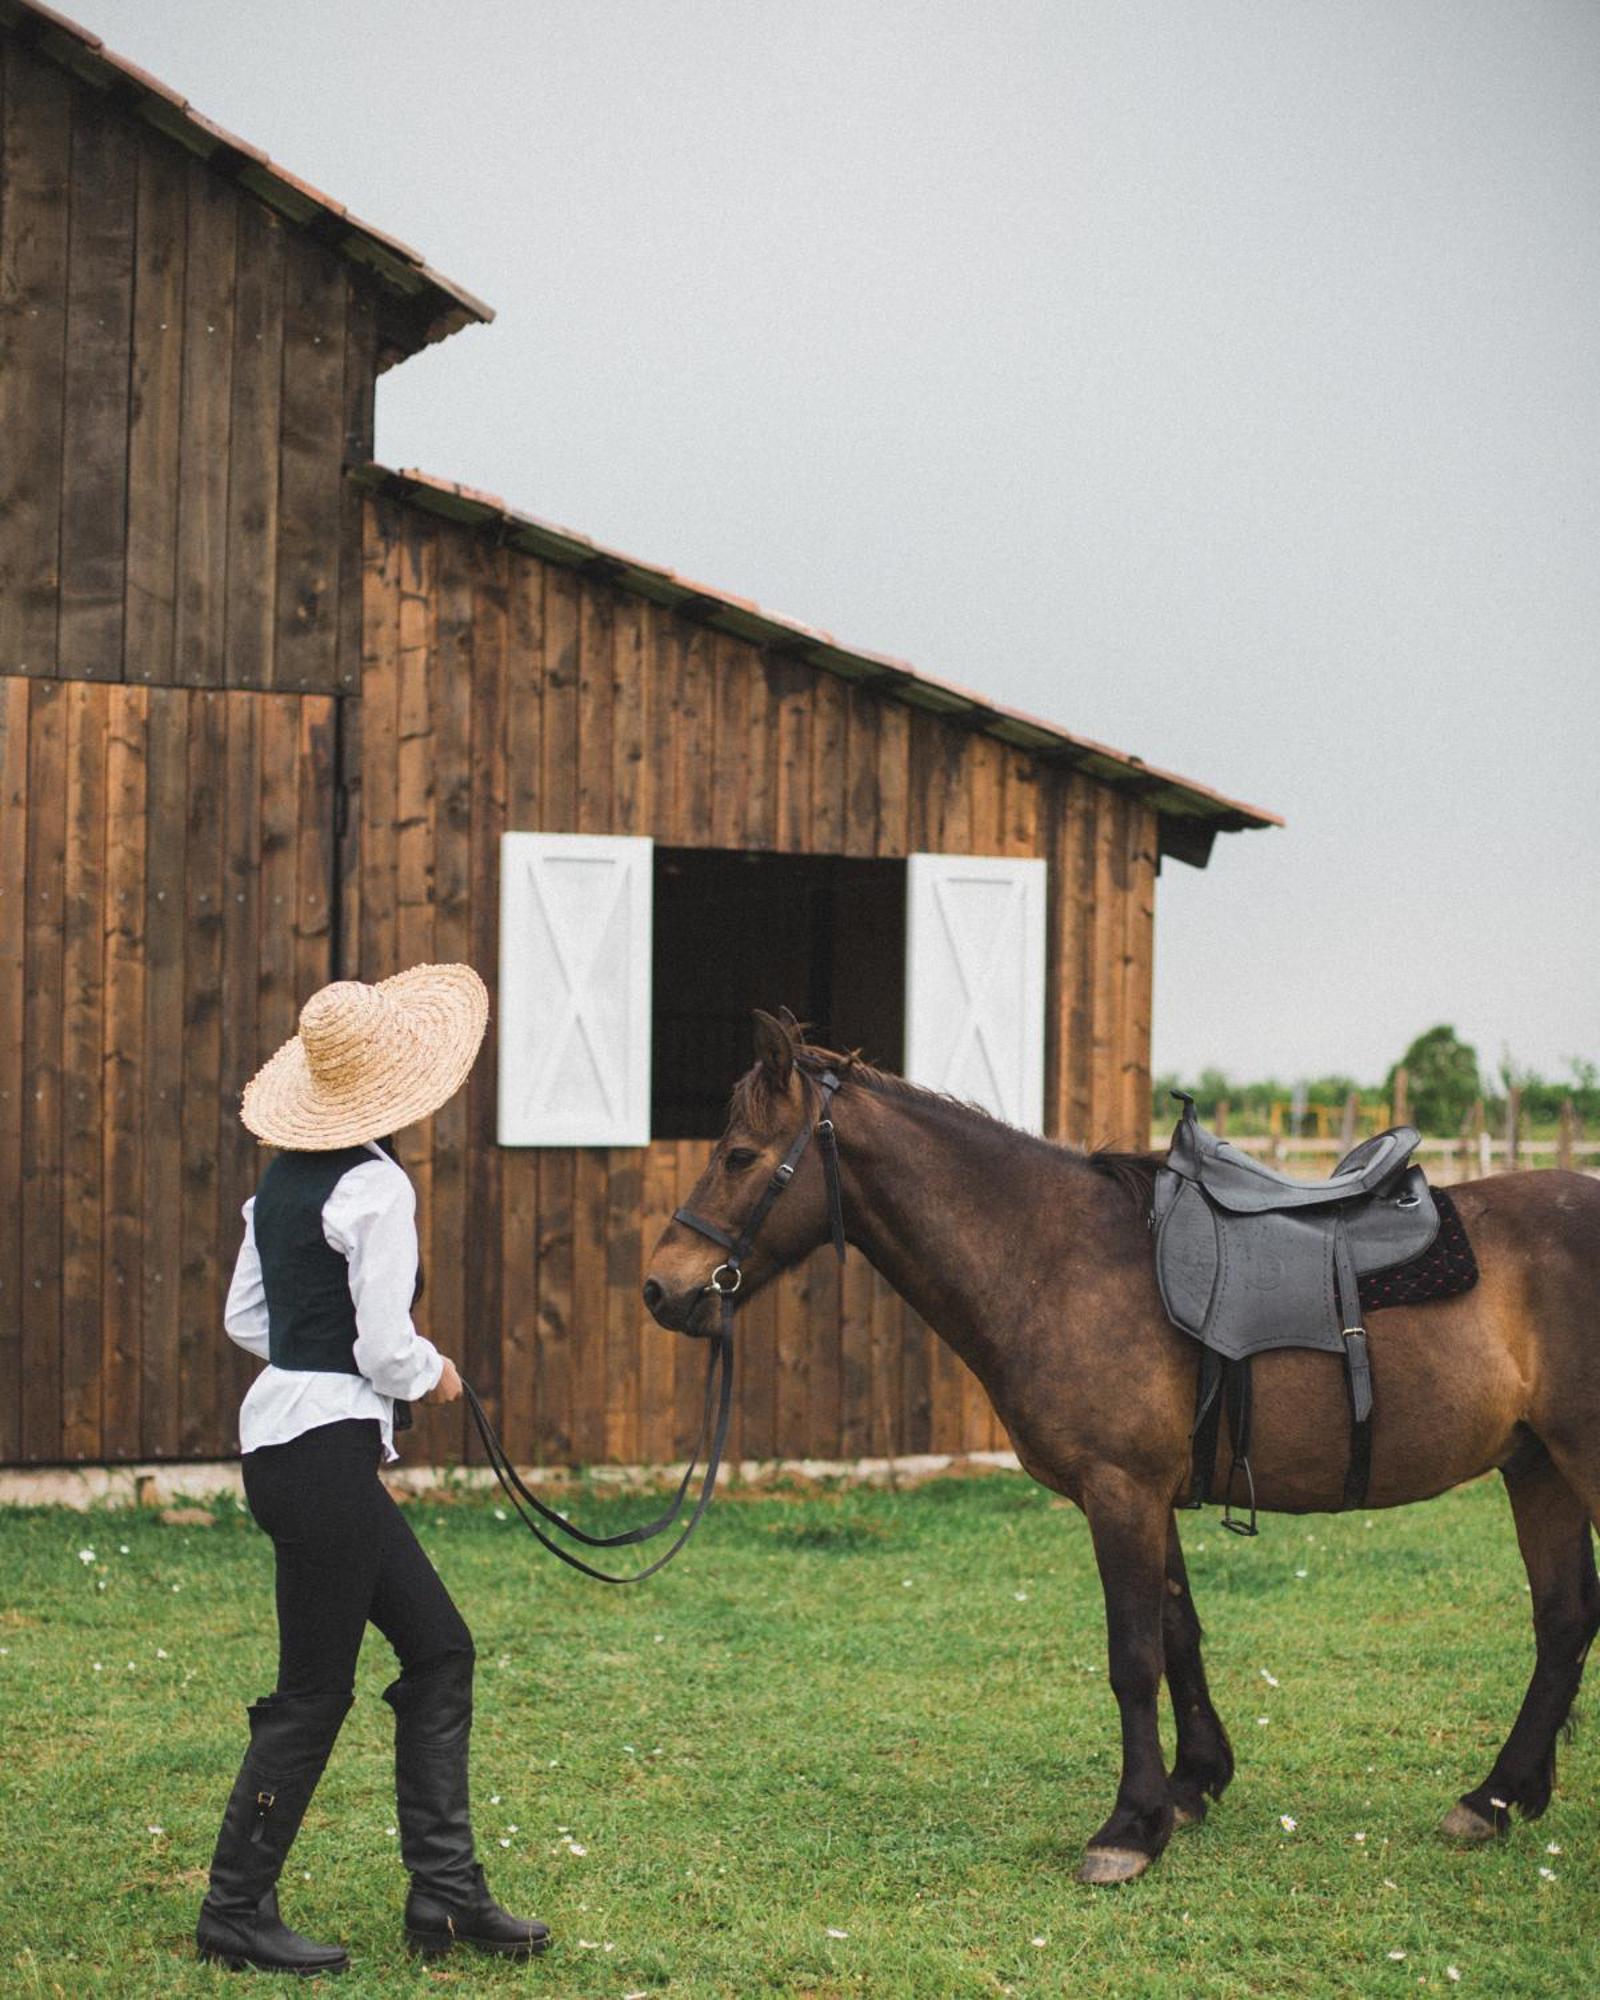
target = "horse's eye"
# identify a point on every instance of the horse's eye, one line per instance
(738, 1158)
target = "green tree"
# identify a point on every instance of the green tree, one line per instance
(1442, 1071)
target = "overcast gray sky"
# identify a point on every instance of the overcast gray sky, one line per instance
(1218, 379)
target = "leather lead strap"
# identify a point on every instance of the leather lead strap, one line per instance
(719, 1374)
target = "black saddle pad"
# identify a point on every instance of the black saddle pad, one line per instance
(1445, 1268)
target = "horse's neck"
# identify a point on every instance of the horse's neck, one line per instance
(958, 1212)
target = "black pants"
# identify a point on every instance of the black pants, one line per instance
(344, 1555)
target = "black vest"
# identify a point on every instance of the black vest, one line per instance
(311, 1317)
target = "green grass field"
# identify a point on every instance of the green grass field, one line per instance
(852, 1743)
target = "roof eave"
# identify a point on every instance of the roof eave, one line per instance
(418, 305)
(1190, 815)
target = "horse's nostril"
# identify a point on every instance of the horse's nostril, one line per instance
(653, 1294)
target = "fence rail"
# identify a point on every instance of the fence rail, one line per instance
(1468, 1158)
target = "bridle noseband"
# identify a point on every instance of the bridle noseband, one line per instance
(724, 1284)
(726, 1279)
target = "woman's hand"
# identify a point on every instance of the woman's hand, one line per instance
(448, 1387)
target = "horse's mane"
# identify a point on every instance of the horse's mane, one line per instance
(752, 1102)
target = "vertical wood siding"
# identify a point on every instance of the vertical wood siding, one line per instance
(165, 864)
(182, 376)
(500, 692)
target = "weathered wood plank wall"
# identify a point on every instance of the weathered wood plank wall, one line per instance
(183, 378)
(502, 692)
(166, 862)
(203, 624)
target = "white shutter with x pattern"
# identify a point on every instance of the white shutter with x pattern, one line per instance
(575, 947)
(975, 965)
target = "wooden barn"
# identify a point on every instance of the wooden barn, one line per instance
(271, 714)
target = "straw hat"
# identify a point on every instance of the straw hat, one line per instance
(369, 1060)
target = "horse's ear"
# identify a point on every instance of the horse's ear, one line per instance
(774, 1048)
(797, 1034)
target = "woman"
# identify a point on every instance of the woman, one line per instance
(323, 1289)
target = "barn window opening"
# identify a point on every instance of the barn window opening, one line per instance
(736, 930)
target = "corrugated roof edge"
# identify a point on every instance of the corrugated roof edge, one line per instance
(1191, 814)
(431, 306)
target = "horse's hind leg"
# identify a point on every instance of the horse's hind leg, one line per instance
(1204, 1761)
(1553, 1534)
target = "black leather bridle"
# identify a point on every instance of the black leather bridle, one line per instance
(724, 1284)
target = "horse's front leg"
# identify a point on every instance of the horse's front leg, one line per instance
(1204, 1761)
(1128, 1522)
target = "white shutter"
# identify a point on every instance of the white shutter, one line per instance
(975, 981)
(574, 990)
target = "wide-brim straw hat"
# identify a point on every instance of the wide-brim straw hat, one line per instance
(369, 1060)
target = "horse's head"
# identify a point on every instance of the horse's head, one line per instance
(774, 1105)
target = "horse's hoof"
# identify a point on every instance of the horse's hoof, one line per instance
(1103, 1865)
(1462, 1823)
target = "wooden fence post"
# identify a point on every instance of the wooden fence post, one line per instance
(1347, 1125)
(1221, 1120)
(1567, 1135)
(1402, 1096)
(1513, 1124)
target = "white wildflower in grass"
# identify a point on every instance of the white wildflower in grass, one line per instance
(1262, 1721)
(500, 1514)
(573, 1847)
(1452, 1973)
(1397, 1954)
(494, 1798)
(161, 1653)
(86, 1555)
(905, 1583)
(1547, 1874)
(1270, 1679)
(1302, 1572)
(1037, 1942)
(176, 1588)
(155, 1829)
(98, 1668)
(1552, 1847)
(1286, 1823)
(505, 1843)
(123, 1549)
(835, 1932)
(1500, 1805)
(1388, 1884)
(1358, 1838)
(1020, 1595)
(389, 1831)
(101, 1584)
(658, 1638)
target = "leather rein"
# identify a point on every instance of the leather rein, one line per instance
(724, 1283)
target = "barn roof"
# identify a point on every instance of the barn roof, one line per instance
(419, 305)
(1191, 815)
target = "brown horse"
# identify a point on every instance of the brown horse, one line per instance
(1033, 1261)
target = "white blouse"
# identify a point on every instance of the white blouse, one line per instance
(371, 1219)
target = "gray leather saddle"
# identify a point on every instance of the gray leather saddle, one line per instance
(1248, 1259)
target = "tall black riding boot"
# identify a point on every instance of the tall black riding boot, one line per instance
(450, 1903)
(290, 1738)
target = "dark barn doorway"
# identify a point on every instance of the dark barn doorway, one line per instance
(821, 934)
